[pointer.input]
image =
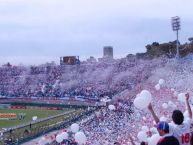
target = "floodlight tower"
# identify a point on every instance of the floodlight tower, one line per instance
(176, 27)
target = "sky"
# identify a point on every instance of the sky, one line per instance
(39, 31)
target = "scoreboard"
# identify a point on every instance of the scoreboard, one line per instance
(69, 60)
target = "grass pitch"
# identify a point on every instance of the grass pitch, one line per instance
(28, 118)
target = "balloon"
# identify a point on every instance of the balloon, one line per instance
(157, 87)
(145, 128)
(142, 136)
(97, 113)
(161, 81)
(154, 139)
(34, 118)
(80, 137)
(111, 107)
(175, 93)
(165, 105)
(74, 127)
(171, 104)
(146, 94)
(181, 97)
(104, 100)
(43, 141)
(172, 89)
(138, 102)
(153, 130)
(143, 99)
(64, 135)
(59, 138)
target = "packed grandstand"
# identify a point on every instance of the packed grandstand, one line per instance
(118, 81)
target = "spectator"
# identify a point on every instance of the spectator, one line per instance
(117, 143)
(143, 143)
(131, 139)
(166, 138)
(133, 143)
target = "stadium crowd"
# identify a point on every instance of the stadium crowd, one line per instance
(91, 80)
(107, 127)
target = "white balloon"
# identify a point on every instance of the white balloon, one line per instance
(143, 100)
(157, 87)
(175, 93)
(146, 94)
(145, 128)
(97, 113)
(165, 105)
(43, 141)
(74, 127)
(154, 139)
(34, 118)
(142, 136)
(80, 137)
(161, 81)
(59, 138)
(138, 102)
(153, 130)
(171, 104)
(64, 135)
(111, 107)
(172, 89)
(181, 97)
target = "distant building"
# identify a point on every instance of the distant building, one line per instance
(131, 57)
(108, 52)
(91, 59)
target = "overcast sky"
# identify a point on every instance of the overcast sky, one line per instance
(36, 31)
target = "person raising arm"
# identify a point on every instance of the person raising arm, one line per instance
(150, 108)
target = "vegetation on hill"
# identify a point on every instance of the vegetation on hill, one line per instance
(167, 49)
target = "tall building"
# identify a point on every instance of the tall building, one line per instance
(108, 52)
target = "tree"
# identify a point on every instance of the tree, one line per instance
(190, 39)
(148, 47)
(155, 44)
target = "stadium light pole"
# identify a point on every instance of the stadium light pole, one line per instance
(176, 27)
